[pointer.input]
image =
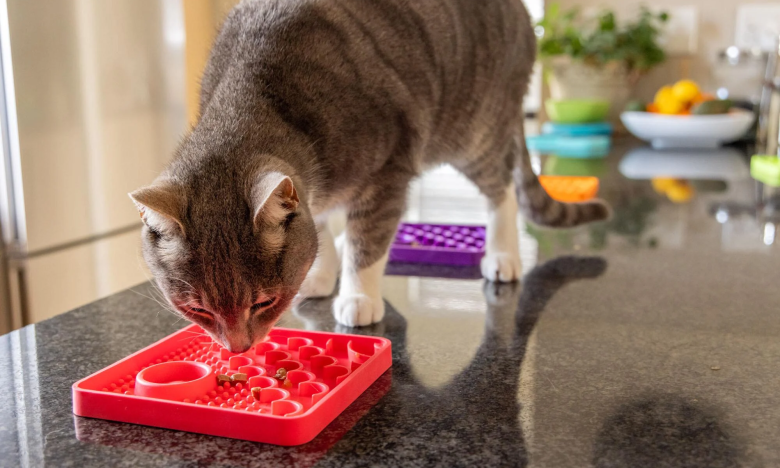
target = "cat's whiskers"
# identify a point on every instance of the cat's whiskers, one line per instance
(169, 305)
(163, 300)
(298, 300)
(179, 279)
(166, 303)
(159, 302)
(197, 335)
(154, 285)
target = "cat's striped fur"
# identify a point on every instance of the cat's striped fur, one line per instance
(351, 99)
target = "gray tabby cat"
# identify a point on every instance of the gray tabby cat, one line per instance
(313, 105)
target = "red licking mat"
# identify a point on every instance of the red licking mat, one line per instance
(284, 391)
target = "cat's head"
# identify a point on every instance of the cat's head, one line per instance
(228, 256)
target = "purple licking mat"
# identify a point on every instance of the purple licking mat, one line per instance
(439, 244)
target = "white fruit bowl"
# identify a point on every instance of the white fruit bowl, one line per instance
(688, 131)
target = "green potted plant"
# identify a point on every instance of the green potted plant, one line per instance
(597, 57)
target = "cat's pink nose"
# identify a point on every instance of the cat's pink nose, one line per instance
(236, 342)
(238, 348)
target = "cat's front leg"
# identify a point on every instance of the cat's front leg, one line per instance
(322, 277)
(360, 302)
(502, 249)
(371, 224)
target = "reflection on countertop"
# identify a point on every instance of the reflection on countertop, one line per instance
(646, 341)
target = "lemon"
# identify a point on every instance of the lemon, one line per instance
(667, 102)
(685, 90)
(670, 106)
(663, 94)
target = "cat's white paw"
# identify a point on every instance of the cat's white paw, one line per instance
(320, 282)
(501, 266)
(358, 310)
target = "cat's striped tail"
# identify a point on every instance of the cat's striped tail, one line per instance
(540, 208)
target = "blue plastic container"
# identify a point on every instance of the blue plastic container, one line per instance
(570, 146)
(587, 129)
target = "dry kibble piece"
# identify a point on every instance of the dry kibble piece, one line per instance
(256, 393)
(281, 373)
(287, 383)
(238, 378)
(222, 379)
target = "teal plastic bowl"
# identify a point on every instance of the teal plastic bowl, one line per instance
(569, 111)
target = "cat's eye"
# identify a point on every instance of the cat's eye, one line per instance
(201, 312)
(266, 303)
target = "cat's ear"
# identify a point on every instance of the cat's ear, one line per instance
(273, 198)
(161, 207)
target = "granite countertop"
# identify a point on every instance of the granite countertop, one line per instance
(651, 341)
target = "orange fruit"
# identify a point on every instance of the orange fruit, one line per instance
(652, 108)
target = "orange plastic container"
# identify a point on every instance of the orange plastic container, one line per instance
(570, 189)
(173, 384)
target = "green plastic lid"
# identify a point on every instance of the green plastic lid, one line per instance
(766, 169)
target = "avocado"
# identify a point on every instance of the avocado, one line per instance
(713, 186)
(717, 106)
(636, 106)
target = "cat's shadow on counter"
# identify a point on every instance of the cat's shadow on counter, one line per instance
(471, 421)
(474, 419)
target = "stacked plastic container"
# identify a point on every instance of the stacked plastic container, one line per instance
(576, 142)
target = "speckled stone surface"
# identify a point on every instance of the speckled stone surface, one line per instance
(652, 341)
